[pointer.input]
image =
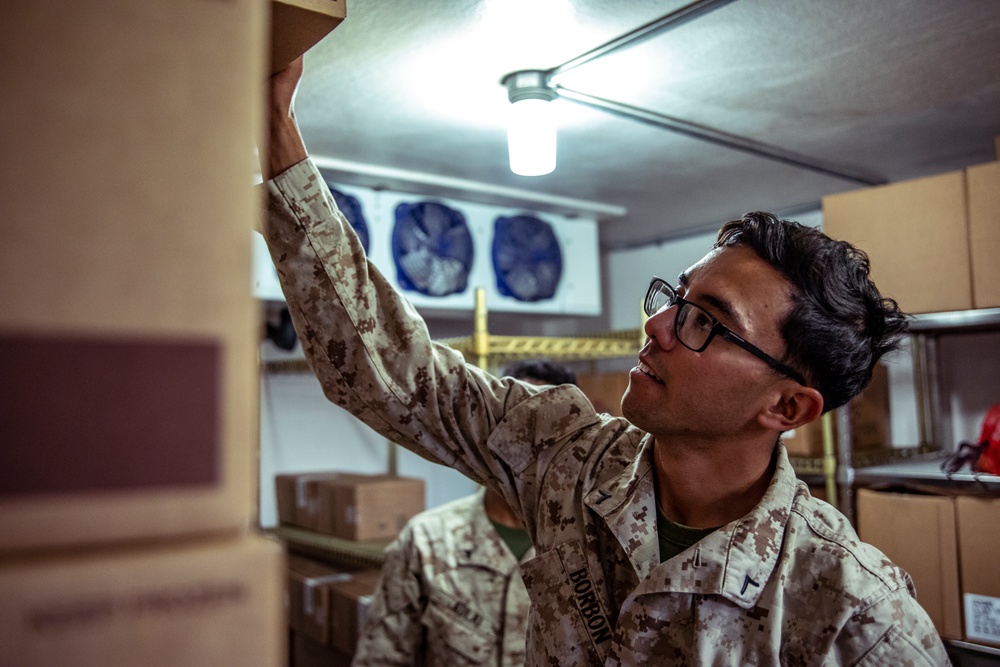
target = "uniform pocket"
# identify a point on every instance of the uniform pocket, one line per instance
(569, 612)
(457, 634)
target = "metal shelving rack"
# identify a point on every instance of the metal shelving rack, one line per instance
(920, 463)
(487, 350)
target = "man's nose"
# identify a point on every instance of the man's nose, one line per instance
(660, 326)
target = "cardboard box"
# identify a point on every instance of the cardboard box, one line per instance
(916, 236)
(367, 507)
(203, 604)
(128, 332)
(296, 497)
(869, 413)
(918, 533)
(348, 505)
(297, 25)
(349, 603)
(978, 546)
(983, 183)
(604, 390)
(309, 596)
(307, 652)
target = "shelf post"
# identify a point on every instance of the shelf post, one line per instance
(480, 333)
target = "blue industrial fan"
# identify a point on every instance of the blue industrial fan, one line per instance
(432, 248)
(526, 258)
(351, 208)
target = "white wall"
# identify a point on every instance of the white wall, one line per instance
(301, 431)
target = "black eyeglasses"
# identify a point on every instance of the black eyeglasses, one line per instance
(695, 328)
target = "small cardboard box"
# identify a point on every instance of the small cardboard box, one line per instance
(297, 25)
(309, 596)
(366, 507)
(307, 652)
(128, 333)
(919, 534)
(978, 546)
(207, 603)
(296, 497)
(349, 505)
(349, 603)
(869, 413)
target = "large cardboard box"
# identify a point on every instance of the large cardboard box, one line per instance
(984, 233)
(916, 236)
(349, 604)
(309, 596)
(869, 415)
(348, 505)
(128, 333)
(604, 390)
(297, 25)
(200, 605)
(919, 534)
(978, 546)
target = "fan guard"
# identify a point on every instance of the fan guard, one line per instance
(526, 258)
(432, 248)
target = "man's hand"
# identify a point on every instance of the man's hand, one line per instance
(285, 145)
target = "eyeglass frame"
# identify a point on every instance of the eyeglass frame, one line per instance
(718, 328)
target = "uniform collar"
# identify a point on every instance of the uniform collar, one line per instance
(735, 561)
(480, 545)
(627, 504)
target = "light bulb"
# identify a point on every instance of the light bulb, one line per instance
(531, 137)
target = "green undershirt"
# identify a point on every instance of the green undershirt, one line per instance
(676, 538)
(517, 539)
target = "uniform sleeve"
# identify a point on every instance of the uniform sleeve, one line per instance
(373, 355)
(393, 633)
(895, 631)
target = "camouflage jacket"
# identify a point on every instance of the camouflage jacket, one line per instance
(789, 583)
(450, 594)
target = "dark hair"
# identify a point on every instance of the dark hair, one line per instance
(839, 325)
(541, 371)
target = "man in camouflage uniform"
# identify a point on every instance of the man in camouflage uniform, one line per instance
(451, 591)
(450, 594)
(681, 536)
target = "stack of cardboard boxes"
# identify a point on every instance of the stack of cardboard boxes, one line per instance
(328, 602)
(128, 337)
(948, 544)
(869, 418)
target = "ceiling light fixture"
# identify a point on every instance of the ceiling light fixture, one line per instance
(531, 128)
(527, 142)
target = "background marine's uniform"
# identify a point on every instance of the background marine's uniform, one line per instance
(450, 594)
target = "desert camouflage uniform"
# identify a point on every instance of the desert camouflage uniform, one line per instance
(789, 583)
(451, 594)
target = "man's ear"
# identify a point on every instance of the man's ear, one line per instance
(793, 408)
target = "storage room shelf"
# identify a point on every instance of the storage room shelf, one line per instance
(348, 553)
(973, 648)
(927, 471)
(964, 321)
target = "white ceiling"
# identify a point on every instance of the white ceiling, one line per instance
(893, 88)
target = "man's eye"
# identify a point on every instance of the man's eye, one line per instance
(702, 319)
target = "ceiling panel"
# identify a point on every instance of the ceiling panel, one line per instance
(896, 88)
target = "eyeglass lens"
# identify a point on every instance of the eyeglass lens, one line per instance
(693, 326)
